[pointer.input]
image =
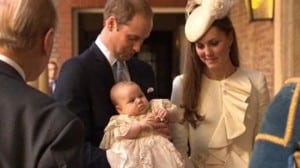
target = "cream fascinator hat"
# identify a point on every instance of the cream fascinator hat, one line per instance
(202, 13)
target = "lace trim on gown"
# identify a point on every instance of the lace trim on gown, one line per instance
(117, 127)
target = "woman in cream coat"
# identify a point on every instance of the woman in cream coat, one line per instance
(223, 104)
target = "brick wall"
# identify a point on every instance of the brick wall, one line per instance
(296, 40)
(255, 39)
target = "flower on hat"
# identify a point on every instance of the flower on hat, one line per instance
(191, 5)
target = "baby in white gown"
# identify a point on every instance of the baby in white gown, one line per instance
(129, 139)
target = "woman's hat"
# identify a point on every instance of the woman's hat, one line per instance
(202, 13)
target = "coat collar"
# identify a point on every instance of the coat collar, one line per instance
(9, 71)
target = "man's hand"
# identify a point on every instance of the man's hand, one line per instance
(163, 129)
(159, 126)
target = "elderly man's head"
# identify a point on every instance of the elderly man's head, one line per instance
(27, 33)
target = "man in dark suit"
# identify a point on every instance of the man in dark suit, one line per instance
(52, 75)
(35, 131)
(85, 81)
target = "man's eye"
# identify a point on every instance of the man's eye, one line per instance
(132, 38)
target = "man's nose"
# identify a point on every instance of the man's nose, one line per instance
(137, 46)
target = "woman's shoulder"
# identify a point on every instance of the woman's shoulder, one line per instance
(177, 81)
(256, 78)
(252, 73)
(178, 78)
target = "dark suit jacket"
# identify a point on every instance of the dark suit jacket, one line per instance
(84, 86)
(35, 131)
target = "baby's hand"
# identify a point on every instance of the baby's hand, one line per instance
(147, 122)
(155, 123)
(161, 114)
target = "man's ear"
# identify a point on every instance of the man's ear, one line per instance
(111, 23)
(48, 41)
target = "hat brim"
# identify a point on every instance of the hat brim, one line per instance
(198, 23)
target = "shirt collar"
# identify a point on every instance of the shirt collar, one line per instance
(111, 59)
(13, 64)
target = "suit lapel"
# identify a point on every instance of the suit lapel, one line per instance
(101, 64)
(132, 70)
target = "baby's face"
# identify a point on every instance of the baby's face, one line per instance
(132, 101)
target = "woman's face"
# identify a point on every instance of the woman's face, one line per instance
(213, 49)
